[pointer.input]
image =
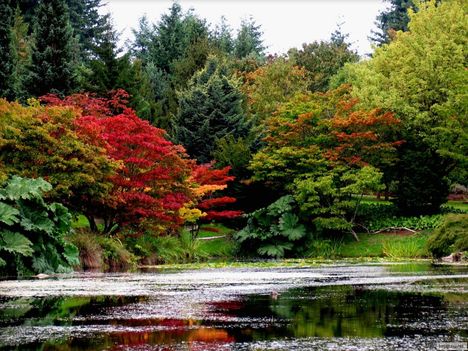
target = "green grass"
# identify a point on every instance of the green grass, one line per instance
(458, 204)
(80, 221)
(217, 248)
(386, 245)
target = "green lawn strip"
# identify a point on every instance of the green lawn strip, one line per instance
(386, 245)
(220, 247)
(458, 204)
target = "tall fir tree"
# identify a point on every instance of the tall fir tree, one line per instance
(104, 66)
(392, 19)
(7, 61)
(22, 46)
(222, 37)
(210, 109)
(249, 40)
(89, 26)
(171, 52)
(53, 61)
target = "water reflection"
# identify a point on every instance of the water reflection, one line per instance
(422, 312)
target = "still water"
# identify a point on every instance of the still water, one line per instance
(330, 307)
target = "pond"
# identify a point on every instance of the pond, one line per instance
(410, 306)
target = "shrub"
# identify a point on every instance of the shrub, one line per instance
(415, 223)
(32, 231)
(374, 211)
(273, 231)
(451, 236)
(151, 249)
(115, 255)
(451, 209)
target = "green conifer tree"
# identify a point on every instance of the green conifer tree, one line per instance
(210, 109)
(249, 40)
(6, 49)
(53, 61)
(393, 19)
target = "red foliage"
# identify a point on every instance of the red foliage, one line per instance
(220, 215)
(215, 202)
(363, 137)
(205, 174)
(152, 180)
(214, 180)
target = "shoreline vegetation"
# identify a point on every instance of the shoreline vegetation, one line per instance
(214, 246)
(193, 144)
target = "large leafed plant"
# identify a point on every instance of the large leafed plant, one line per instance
(32, 231)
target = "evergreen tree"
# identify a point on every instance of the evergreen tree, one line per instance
(104, 67)
(168, 43)
(22, 46)
(196, 51)
(90, 27)
(52, 68)
(222, 37)
(210, 109)
(393, 19)
(27, 9)
(249, 40)
(171, 52)
(6, 49)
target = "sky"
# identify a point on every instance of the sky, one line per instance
(285, 23)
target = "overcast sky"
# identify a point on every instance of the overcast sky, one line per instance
(285, 23)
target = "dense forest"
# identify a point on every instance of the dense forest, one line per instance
(114, 155)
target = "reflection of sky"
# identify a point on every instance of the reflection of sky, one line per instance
(285, 23)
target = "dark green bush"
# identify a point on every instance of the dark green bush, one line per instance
(451, 236)
(450, 209)
(372, 211)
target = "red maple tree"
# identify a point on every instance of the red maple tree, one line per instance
(210, 182)
(152, 180)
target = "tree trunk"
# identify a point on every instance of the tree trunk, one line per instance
(92, 223)
(354, 235)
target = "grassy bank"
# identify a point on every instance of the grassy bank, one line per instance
(385, 245)
(214, 245)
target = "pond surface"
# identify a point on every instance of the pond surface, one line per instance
(331, 307)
